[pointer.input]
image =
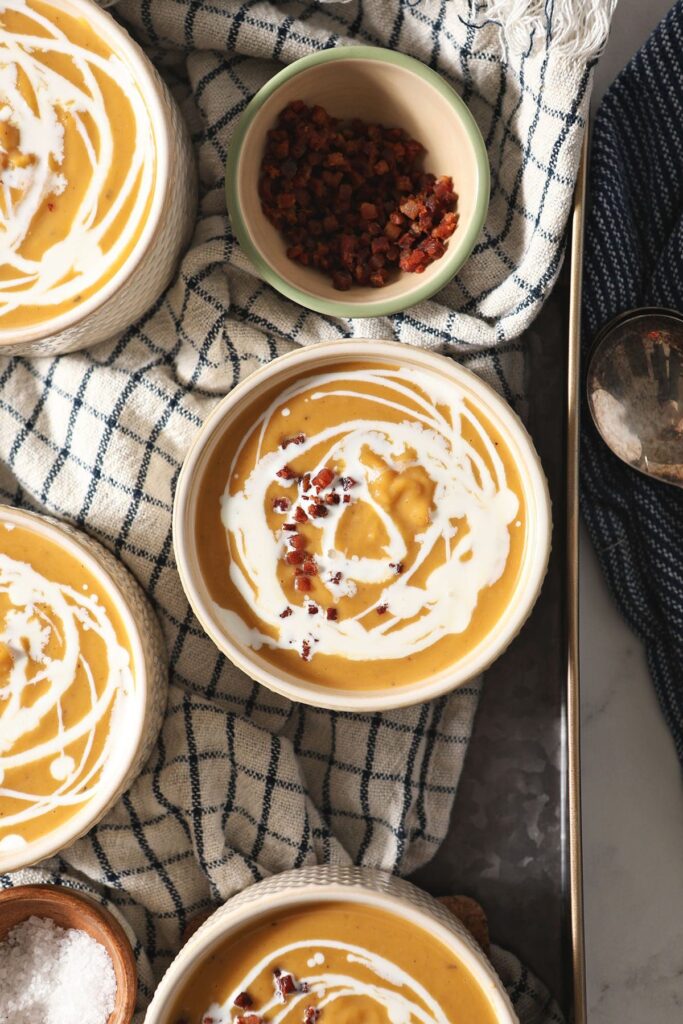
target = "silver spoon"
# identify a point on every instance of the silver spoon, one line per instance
(635, 390)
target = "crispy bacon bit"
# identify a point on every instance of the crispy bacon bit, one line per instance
(410, 209)
(208, 1020)
(332, 614)
(289, 527)
(397, 567)
(283, 615)
(382, 608)
(323, 478)
(297, 541)
(347, 499)
(302, 584)
(281, 504)
(286, 473)
(300, 515)
(248, 1018)
(369, 211)
(284, 983)
(342, 280)
(297, 439)
(309, 567)
(311, 1014)
(317, 511)
(303, 985)
(244, 1000)
(306, 482)
(347, 482)
(306, 650)
(336, 579)
(294, 557)
(313, 609)
(445, 229)
(417, 260)
(332, 498)
(333, 188)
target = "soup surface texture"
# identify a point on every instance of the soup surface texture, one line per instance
(339, 963)
(362, 527)
(77, 161)
(66, 683)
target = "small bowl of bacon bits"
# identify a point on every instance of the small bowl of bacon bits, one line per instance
(357, 182)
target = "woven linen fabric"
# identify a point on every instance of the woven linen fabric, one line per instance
(241, 783)
(634, 257)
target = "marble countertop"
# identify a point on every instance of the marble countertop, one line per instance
(632, 784)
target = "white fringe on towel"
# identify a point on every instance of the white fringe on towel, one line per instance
(579, 27)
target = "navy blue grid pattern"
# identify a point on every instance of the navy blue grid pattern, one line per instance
(634, 257)
(241, 783)
(530, 107)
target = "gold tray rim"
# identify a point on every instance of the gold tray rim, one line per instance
(573, 680)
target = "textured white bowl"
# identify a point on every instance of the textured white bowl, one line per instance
(148, 270)
(329, 883)
(310, 360)
(149, 667)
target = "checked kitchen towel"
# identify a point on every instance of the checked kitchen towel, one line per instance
(634, 257)
(243, 784)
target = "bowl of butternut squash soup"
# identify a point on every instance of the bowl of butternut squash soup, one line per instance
(82, 684)
(97, 177)
(362, 525)
(330, 945)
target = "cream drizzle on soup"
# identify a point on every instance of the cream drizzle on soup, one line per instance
(407, 513)
(77, 161)
(66, 685)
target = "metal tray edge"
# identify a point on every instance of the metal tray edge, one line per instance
(573, 686)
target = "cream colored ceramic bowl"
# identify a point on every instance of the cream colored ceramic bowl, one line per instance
(138, 283)
(326, 883)
(314, 359)
(149, 668)
(376, 85)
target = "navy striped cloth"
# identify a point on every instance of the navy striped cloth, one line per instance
(634, 257)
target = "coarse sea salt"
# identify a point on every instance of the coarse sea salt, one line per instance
(52, 975)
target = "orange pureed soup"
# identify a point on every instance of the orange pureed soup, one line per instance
(66, 684)
(364, 528)
(77, 161)
(332, 963)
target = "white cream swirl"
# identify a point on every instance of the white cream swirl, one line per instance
(79, 256)
(468, 489)
(400, 998)
(32, 692)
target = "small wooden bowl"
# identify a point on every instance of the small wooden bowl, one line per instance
(70, 909)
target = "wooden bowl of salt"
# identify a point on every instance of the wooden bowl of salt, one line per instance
(74, 910)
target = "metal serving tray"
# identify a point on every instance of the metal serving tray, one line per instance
(514, 841)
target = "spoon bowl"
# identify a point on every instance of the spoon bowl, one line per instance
(635, 391)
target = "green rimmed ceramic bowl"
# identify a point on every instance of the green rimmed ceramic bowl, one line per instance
(375, 85)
